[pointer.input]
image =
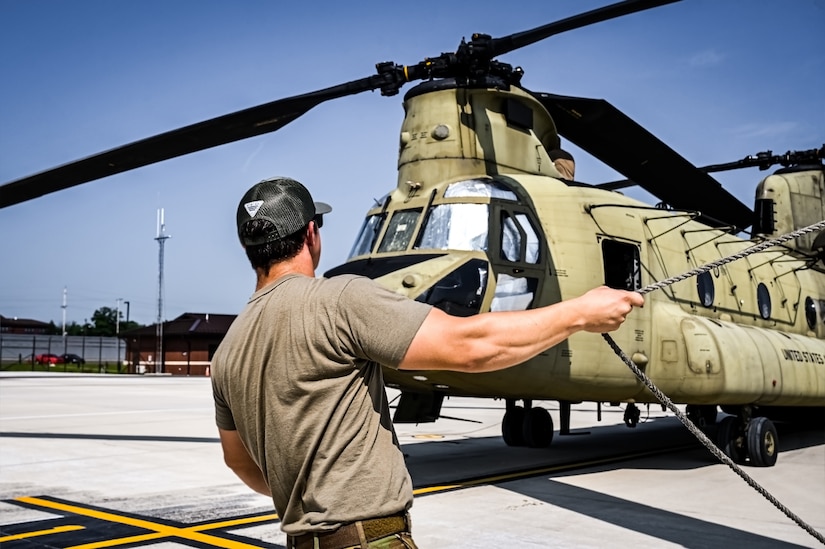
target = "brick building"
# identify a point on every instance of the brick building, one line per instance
(189, 341)
(22, 326)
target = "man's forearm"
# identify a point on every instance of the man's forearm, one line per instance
(238, 459)
(253, 478)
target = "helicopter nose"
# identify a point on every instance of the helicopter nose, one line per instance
(461, 291)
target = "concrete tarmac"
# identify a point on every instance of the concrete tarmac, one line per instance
(97, 461)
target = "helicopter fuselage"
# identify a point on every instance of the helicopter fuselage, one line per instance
(481, 221)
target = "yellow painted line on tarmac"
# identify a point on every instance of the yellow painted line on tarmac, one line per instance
(195, 533)
(157, 530)
(234, 522)
(55, 530)
(434, 489)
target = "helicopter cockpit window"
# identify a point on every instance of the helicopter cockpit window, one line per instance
(399, 231)
(519, 240)
(622, 267)
(455, 227)
(367, 236)
(474, 188)
(513, 293)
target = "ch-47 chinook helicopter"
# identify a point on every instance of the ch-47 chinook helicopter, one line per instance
(482, 220)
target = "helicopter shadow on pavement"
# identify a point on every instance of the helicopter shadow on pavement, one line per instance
(447, 461)
(678, 528)
(436, 462)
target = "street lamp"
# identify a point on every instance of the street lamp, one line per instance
(117, 330)
(127, 327)
(83, 339)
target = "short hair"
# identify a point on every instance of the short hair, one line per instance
(263, 256)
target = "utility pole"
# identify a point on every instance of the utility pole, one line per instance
(63, 306)
(83, 348)
(161, 238)
(127, 324)
(117, 330)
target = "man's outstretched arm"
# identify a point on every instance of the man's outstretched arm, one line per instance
(493, 341)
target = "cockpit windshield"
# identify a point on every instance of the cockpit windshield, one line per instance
(456, 227)
(399, 231)
(462, 226)
(451, 225)
(367, 236)
(474, 188)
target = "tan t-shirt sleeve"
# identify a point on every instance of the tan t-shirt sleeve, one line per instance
(223, 415)
(380, 325)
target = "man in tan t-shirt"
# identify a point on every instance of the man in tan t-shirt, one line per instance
(299, 397)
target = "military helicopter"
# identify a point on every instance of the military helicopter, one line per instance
(483, 219)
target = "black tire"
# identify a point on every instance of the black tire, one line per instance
(632, 415)
(729, 439)
(538, 428)
(763, 442)
(512, 425)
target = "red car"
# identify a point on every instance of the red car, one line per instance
(47, 358)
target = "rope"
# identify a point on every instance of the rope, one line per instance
(725, 260)
(661, 397)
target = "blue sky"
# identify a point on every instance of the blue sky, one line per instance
(714, 79)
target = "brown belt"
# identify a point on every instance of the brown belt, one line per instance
(347, 535)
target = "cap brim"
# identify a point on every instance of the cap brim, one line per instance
(322, 208)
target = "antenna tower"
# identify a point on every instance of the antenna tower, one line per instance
(161, 238)
(65, 293)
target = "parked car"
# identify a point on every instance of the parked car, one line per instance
(47, 358)
(69, 358)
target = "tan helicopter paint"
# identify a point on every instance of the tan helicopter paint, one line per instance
(723, 352)
(478, 139)
(799, 199)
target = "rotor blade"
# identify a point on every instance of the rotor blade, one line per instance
(609, 135)
(196, 137)
(762, 160)
(507, 44)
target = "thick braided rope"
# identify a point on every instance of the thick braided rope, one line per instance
(762, 246)
(707, 442)
(661, 397)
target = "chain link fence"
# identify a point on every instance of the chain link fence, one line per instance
(96, 353)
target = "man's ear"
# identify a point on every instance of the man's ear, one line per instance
(312, 232)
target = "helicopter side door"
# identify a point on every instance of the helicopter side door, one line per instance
(518, 257)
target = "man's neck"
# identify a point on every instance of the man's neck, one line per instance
(299, 264)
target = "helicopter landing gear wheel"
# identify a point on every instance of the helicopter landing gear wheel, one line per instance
(512, 426)
(762, 442)
(537, 428)
(730, 439)
(632, 415)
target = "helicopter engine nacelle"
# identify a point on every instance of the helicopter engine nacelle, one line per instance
(451, 131)
(790, 199)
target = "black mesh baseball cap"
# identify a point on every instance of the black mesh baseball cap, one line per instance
(283, 202)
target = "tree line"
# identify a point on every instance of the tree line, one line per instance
(104, 322)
